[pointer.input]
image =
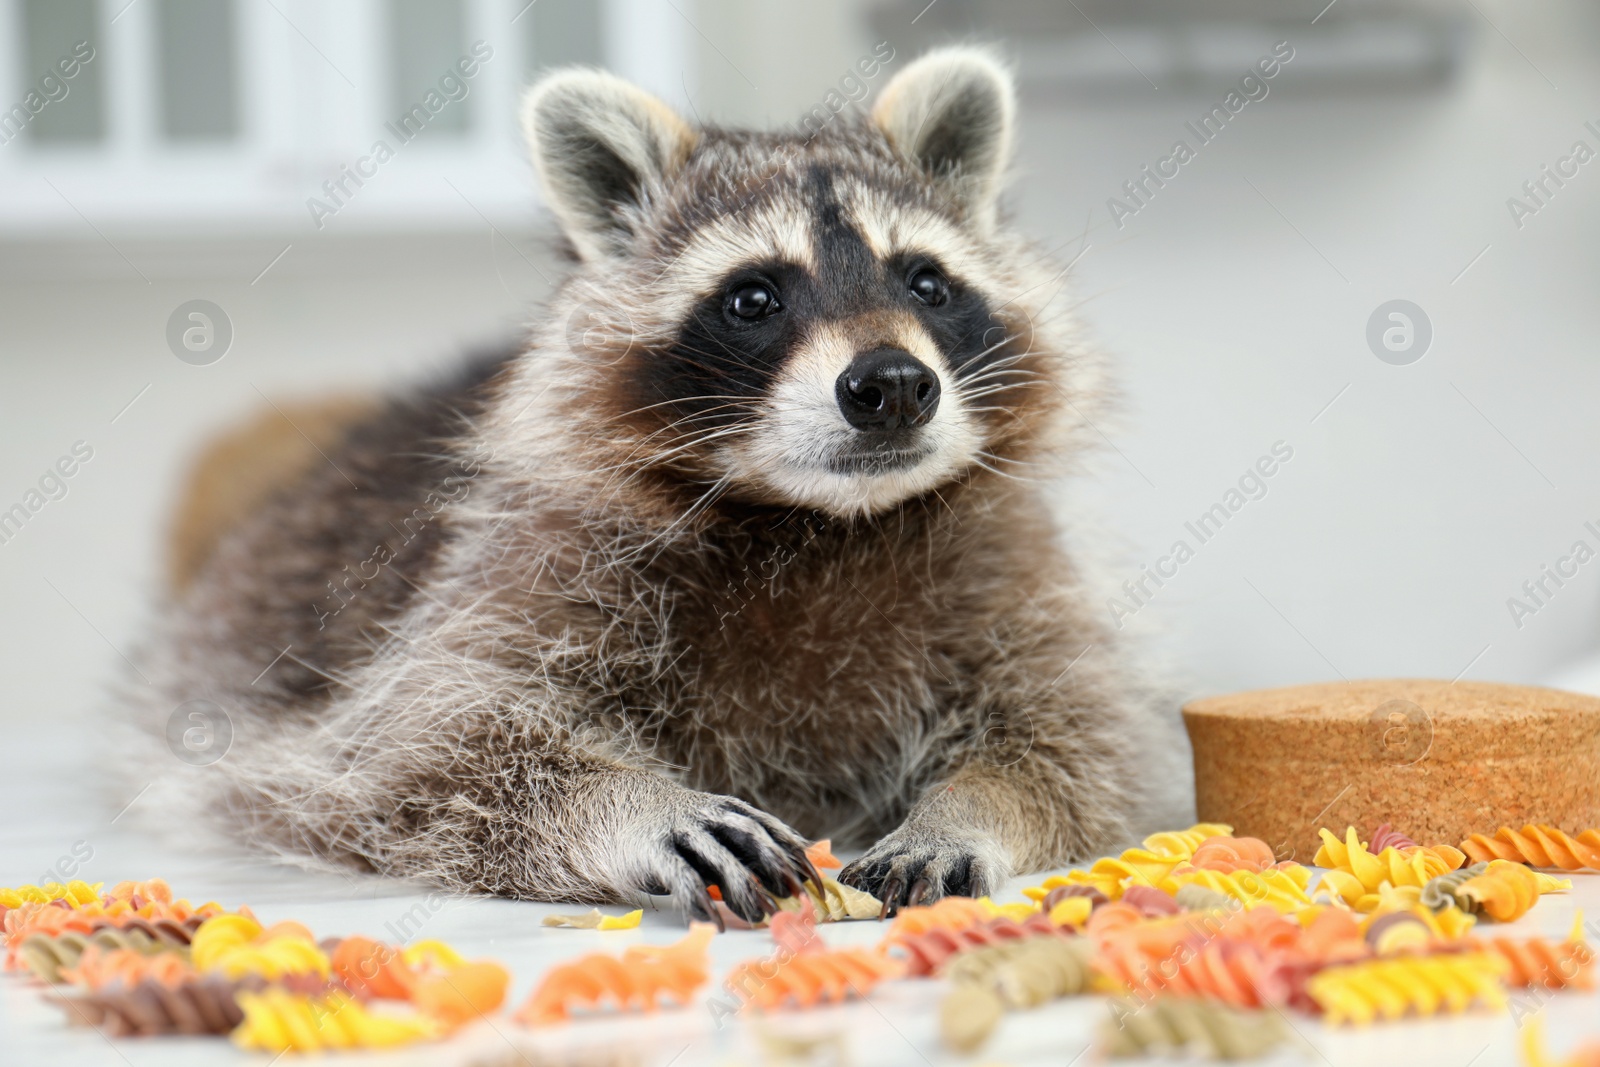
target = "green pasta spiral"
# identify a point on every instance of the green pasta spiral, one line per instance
(1199, 898)
(47, 956)
(1440, 893)
(1173, 1024)
(989, 981)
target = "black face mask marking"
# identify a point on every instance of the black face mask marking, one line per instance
(723, 364)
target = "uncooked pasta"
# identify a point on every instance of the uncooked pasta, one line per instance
(1189, 1026)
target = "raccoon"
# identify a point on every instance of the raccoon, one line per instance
(747, 545)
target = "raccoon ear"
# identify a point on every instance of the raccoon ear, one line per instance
(602, 147)
(952, 112)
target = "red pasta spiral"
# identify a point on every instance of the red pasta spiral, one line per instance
(1386, 836)
(928, 953)
(1150, 901)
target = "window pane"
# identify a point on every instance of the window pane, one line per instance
(426, 39)
(564, 31)
(197, 57)
(68, 109)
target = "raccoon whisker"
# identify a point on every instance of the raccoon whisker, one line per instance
(650, 437)
(1005, 361)
(703, 416)
(999, 379)
(1005, 379)
(732, 354)
(683, 400)
(994, 390)
(662, 538)
(1007, 365)
(654, 458)
(978, 458)
(970, 360)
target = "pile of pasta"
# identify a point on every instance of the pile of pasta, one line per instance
(1197, 941)
(1206, 940)
(136, 962)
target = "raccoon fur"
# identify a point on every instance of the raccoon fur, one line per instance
(749, 544)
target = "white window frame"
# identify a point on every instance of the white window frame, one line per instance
(300, 119)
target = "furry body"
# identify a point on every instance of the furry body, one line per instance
(545, 623)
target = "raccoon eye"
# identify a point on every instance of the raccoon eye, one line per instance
(929, 286)
(753, 301)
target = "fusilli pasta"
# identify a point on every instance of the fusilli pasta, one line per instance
(1538, 845)
(1194, 1026)
(1199, 898)
(276, 1020)
(1425, 985)
(1505, 891)
(1283, 888)
(237, 945)
(1149, 865)
(1355, 874)
(633, 982)
(75, 893)
(1386, 836)
(197, 1006)
(1013, 975)
(1150, 901)
(1538, 962)
(1440, 893)
(97, 968)
(928, 953)
(1227, 854)
(812, 978)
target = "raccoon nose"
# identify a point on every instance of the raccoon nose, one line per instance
(887, 389)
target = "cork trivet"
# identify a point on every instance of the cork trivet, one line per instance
(1438, 760)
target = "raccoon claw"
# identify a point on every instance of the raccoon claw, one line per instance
(748, 855)
(915, 874)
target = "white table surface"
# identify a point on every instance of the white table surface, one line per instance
(50, 806)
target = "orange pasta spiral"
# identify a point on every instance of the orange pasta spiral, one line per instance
(813, 978)
(1535, 961)
(372, 967)
(1228, 854)
(633, 982)
(951, 913)
(1231, 973)
(1505, 891)
(1539, 846)
(97, 968)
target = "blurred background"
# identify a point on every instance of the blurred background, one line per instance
(1442, 463)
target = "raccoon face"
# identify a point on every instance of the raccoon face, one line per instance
(828, 322)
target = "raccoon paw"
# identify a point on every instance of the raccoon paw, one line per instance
(709, 840)
(907, 869)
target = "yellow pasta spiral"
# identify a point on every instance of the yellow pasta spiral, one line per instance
(1283, 888)
(1355, 874)
(231, 944)
(1184, 842)
(274, 958)
(74, 892)
(1446, 924)
(1423, 985)
(276, 1020)
(1150, 865)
